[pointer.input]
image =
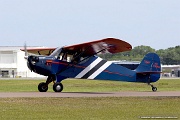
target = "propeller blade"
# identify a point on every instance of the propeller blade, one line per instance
(25, 50)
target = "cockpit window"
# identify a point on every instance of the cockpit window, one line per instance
(56, 52)
(67, 56)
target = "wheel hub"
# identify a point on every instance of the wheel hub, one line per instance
(58, 87)
(44, 87)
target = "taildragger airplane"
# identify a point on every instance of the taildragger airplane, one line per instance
(81, 61)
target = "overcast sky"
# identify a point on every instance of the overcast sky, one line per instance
(53, 23)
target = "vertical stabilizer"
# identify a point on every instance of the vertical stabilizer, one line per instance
(150, 67)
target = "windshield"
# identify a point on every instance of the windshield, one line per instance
(56, 52)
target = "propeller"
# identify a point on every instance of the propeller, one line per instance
(31, 59)
(25, 50)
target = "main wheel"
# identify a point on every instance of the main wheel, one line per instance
(42, 87)
(154, 89)
(58, 87)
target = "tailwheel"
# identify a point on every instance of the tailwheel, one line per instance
(154, 89)
(58, 87)
(42, 87)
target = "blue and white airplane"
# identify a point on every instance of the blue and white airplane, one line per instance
(80, 61)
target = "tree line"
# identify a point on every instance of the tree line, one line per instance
(169, 56)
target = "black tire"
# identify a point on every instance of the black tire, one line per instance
(154, 89)
(42, 87)
(58, 87)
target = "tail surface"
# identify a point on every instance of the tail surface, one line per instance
(149, 69)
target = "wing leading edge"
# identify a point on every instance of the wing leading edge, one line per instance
(40, 51)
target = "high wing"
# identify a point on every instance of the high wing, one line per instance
(108, 45)
(40, 50)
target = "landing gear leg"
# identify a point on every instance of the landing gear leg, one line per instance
(43, 86)
(154, 89)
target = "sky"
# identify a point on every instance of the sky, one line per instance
(53, 23)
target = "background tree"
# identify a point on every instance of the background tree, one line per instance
(170, 56)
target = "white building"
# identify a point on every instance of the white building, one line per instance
(13, 64)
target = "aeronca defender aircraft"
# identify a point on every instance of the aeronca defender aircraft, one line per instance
(80, 61)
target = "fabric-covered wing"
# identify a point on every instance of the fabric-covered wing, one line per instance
(40, 51)
(108, 45)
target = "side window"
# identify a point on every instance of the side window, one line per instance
(61, 56)
(65, 57)
(69, 58)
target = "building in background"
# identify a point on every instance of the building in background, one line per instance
(171, 70)
(128, 64)
(13, 64)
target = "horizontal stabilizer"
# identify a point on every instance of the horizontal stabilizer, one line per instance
(149, 72)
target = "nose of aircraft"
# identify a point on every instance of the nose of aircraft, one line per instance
(31, 61)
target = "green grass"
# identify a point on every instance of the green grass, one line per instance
(73, 85)
(98, 108)
(108, 108)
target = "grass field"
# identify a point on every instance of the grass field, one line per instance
(71, 85)
(109, 108)
(105, 108)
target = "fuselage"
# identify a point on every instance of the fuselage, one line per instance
(91, 68)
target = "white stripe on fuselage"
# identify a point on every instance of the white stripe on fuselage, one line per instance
(87, 69)
(98, 71)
